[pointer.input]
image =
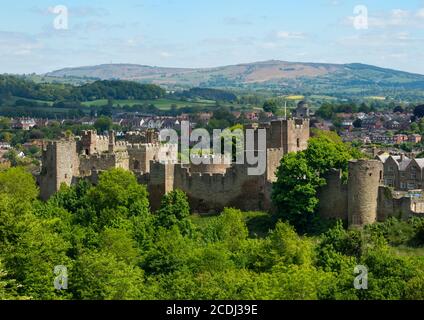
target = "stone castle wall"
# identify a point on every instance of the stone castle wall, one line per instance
(333, 197)
(209, 191)
(102, 162)
(211, 187)
(363, 199)
(60, 165)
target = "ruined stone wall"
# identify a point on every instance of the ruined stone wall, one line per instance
(60, 165)
(298, 133)
(101, 162)
(273, 160)
(291, 135)
(92, 143)
(159, 181)
(274, 135)
(333, 197)
(141, 137)
(213, 192)
(398, 205)
(216, 164)
(141, 155)
(209, 192)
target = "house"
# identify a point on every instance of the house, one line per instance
(252, 116)
(372, 123)
(402, 173)
(347, 125)
(5, 145)
(415, 138)
(236, 114)
(205, 116)
(24, 124)
(392, 125)
(400, 138)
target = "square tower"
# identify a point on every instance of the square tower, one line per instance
(291, 135)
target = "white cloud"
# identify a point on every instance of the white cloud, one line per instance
(290, 35)
(393, 18)
(165, 54)
(75, 11)
(15, 43)
(420, 13)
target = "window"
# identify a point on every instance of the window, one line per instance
(413, 173)
(298, 143)
(389, 182)
(403, 185)
(136, 165)
(411, 186)
(391, 169)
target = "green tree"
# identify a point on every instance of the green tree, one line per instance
(103, 124)
(229, 228)
(175, 211)
(8, 287)
(5, 123)
(295, 192)
(301, 174)
(117, 195)
(99, 275)
(6, 137)
(326, 111)
(270, 106)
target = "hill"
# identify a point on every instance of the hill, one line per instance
(285, 77)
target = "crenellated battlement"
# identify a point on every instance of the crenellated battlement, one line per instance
(211, 184)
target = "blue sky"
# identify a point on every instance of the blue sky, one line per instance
(207, 33)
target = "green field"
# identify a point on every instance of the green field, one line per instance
(162, 104)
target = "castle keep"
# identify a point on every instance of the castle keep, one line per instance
(211, 187)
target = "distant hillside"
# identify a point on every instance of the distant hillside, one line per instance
(281, 76)
(101, 89)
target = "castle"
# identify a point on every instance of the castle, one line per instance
(211, 187)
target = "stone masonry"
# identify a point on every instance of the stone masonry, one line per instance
(212, 187)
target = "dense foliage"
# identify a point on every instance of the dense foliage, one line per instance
(301, 174)
(117, 89)
(114, 247)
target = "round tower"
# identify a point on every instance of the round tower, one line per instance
(365, 177)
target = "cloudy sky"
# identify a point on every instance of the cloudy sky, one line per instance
(34, 37)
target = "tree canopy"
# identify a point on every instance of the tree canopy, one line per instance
(301, 174)
(114, 247)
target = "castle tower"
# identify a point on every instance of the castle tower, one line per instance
(291, 135)
(364, 180)
(112, 140)
(60, 165)
(88, 142)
